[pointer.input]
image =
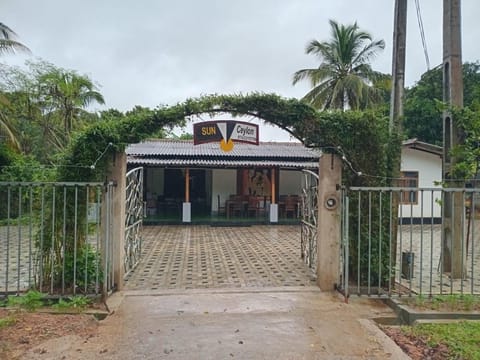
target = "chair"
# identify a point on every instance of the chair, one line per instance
(235, 206)
(221, 210)
(253, 206)
(291, 203)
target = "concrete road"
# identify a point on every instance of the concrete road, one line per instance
(276, 323)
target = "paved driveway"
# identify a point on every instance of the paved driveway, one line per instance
(227, 293)
(200, 257)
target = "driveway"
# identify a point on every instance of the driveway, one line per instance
(201, 257)
(228, 293)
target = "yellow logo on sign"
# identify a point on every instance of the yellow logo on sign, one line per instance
(226, 145)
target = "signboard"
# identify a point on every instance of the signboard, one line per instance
(225, 132)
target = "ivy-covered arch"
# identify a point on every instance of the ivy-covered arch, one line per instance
(361, 137)
(87, 156)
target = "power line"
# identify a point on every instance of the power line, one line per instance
(422, 33)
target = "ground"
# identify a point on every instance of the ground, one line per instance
(30, 329)
(416, 348)
(33, 329)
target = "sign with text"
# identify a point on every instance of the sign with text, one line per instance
(225, 132)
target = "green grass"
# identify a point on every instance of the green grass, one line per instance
(31, 301)
(7, 321)
(76, 303)
(462, 339)
(454, 302)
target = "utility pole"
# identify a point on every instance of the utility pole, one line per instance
(453, 207)
(398, 67)
(396, 108)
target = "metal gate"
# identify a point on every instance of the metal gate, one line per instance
(309, 213)
(414, 252)
(55, 238)
(134, 208)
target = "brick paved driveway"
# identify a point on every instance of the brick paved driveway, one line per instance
(196, 257)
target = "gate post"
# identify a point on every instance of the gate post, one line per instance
(117, 174)
(329, 221)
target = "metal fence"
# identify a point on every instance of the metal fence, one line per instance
(55, 238)
(431, 247)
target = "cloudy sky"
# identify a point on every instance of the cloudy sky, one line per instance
(152, 52)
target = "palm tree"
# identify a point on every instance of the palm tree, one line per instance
(70, 94)
(8, 45)
(344, 78)
(7, 42)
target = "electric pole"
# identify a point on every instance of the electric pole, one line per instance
(453, 206)
(396, 108)
(398, 67)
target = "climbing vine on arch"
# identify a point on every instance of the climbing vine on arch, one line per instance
(359, 135)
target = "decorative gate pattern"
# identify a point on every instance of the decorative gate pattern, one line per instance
(133, 219)
(309, 219)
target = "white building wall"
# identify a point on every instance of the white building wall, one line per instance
(429, 167)
(224, 183)
(290, 182)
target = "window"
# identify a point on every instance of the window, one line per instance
(409, 179)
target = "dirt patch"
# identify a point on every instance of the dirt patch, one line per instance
(417, 348)
(25, 330)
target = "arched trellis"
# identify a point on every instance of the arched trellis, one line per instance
(360, 137)
(89, 154)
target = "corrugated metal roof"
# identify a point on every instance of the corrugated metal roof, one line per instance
(165, 147)
(166, 152)
(221, 163)
(423, 146)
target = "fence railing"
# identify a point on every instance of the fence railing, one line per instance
(430, 247)
(54, 238)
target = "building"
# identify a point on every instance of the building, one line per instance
(421, 167)
(187, 182)
(191, 182)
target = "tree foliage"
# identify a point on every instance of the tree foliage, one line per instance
(344, 79)
(423, 103)
(8, 44)
(43, 105)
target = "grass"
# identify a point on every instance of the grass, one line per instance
(31, 301)
(7, 321)
(453, 302)
(462, 339)
(76, 303)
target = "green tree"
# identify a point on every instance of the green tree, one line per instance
(423, 103)
(8, 44)
(45, 105)
(69, 94)
(344, 79)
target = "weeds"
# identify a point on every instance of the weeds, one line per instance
(454, 302)
(76, 303)
(31, 301)
(7, 321)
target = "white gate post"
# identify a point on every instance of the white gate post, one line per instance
(117, 174)
(329, 221)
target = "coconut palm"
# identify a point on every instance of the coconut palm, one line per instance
(69, 94)
(344, 78)
(8, 44)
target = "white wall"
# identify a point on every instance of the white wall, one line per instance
(224, 182)
(290, 182)
(429, 167)
(154, 181)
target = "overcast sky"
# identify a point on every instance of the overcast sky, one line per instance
(152, 52)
